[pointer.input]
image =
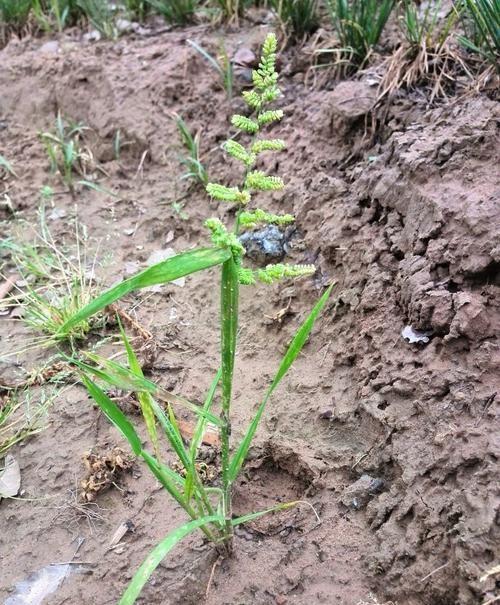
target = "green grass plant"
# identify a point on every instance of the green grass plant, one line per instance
(359, 25)
(195, 168)
(101, 15)
(58, 282)
(481, 19)
(64, 148)
(207, 508)
(300, 17)
(177, 12)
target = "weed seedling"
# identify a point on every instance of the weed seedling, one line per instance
(195, 169)
(208, 508)
(57, 284)
(64, 149)
(6, 166)
(101, 16)
(178, 12)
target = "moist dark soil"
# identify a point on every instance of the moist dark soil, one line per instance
(394, 443)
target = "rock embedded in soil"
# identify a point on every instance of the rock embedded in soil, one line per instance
(358, 494)
(352, 100)
(265, 245)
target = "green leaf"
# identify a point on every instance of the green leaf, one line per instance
(115, 415)
(161, 273)
(260, 513)
(144, 398)
(155, 557)
(198, 435)
(119, 376)
(7, 166)
(290, 356)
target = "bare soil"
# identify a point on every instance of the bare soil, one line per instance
(406, 222)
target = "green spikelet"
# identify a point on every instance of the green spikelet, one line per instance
(246, 276)
(268, 145)
(240, 153)
(222, 238)
(259, 181)
(248, 220)
(271, 115)
(274, 273)
(227, 194)
(245, 124)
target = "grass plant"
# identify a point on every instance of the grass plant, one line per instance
(21, 417)
(426, 57)
(14, 15)
(208, 508)
(358, 25)
(195, 168)
(300, 17)
(64, 149)
(57, 283)
(100, 15)
(481, 19)
(178, 12)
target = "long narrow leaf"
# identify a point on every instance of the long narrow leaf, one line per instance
(260, 513)
(290, 356)
(144, 398)
(115, 415)
(198, 435)
(121, 377)
(161, 273)
(155, 557)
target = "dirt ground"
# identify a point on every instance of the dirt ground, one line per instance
(406, 222)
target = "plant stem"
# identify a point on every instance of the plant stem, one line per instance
(229, 327)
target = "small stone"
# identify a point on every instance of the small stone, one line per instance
(245, 57)
(50, 48)
(265, 245)
(353, 100)
(358, 494)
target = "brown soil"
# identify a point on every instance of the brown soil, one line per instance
(405, 223)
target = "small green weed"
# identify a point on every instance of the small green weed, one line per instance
(57, 283)
(300, 17)
(14, 15)
(64, 149)
(100, 15)
(195, 168)
(21, 416)
(208, 508)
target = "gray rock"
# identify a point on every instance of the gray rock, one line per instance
(265, 245)
(361, 492)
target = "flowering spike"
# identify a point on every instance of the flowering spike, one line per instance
(245, 124)
(222, 238)
(259, 181)
(268, 145)
(271, 115)
(276, 272)
(248, 220)
(239, 152)
(227, 194)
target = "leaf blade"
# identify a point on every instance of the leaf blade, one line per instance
(161, 273)
(155, 557)
(290, 356)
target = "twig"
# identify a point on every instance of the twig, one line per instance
(130, 321)
(434, 571)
